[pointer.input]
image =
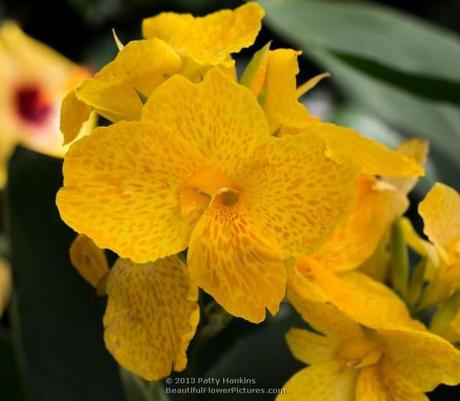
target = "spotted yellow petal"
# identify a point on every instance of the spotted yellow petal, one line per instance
(311, 348)
(330, 381)
(240, 266)
(280, 94)
(219, 117)
(74, 113)
(151, 316)
(441, 217)
(422, 358)
(356, 239)
(89, 260)
(121, 186)
(137, 69)
(366, 301)
(5, 284)
(379, 383)
(210, 39)
(345, 145)
(299, 195)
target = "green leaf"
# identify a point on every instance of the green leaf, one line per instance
(371, 32)
(57, 322)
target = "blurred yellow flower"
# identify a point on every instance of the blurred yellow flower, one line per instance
(33, 82)
(349, 362)
(202, 171)
(5, 284)
(174, 44)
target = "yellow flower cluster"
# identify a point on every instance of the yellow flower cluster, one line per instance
(269, 202)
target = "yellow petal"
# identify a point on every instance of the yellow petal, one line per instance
(151, 316)
(422, 358)
(379, 383)
(89, 260)
(441, 217)
(417, 149)
(74, 114)
(280, 94)
(355, 240)
(322, 382)
(311, 348)
(219, 117)
(240, 266)
(300, 195)
(346, 145)
(5, 284)
(121, 186)
(140, 67)
(323, 317)
(210, 39)
(366, 301)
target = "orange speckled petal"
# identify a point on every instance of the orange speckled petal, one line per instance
(329, 381)
(280, 95)
(366, 301)
(380, 383)
(221, 118)
(121, 188)
(422, 358)
(89, 260)
(151, 316)
(140, 67)
(354, 241)
(311, 348)
(346, 145)
(299, 195)
(74, 113)
(210, 39)
(235, 262)
(441, 216)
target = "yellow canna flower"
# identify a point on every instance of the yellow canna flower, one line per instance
(349, 362)
(33, 81)
(174, 44)
(200, 170)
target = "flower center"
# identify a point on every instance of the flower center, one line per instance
(208, 184)
(360, 352)
(31, 105)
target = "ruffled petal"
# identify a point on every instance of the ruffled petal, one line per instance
(345, 145)
(210, 39)
(151, 316)
(235, 262)
(121, 188)
(298, 195)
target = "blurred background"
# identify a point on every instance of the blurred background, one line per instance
(395, 73)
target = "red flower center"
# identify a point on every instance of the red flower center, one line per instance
(31, 105)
